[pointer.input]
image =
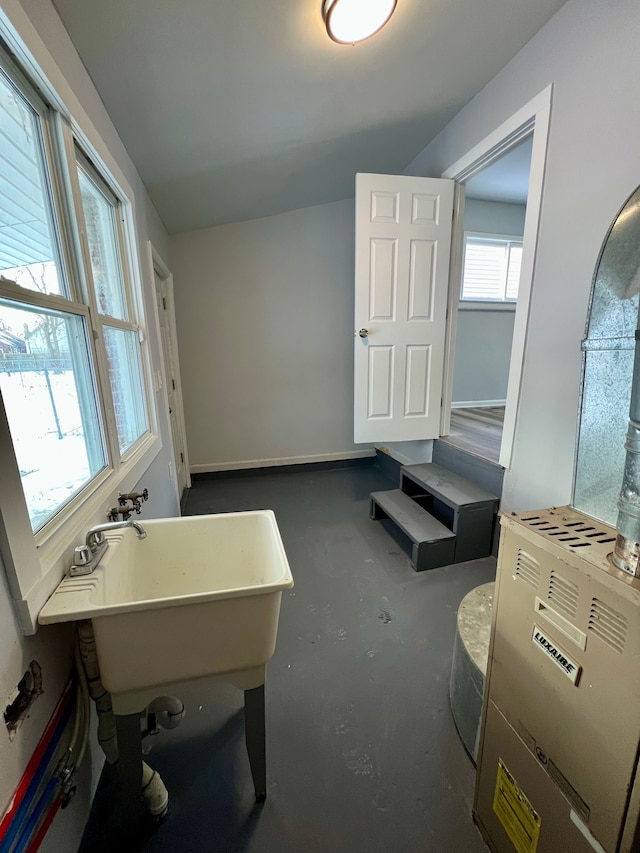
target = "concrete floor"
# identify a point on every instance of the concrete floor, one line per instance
(363, 755)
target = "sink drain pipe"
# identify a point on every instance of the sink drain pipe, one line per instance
(168, 710)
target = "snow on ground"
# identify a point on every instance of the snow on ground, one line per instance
(52, 469)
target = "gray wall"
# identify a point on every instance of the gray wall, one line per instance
(52, 646)
(483, 349)
(483, 340)
(593, 164)
(265, 332)
(492, 217)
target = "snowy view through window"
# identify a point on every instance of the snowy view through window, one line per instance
(48, 395)
(48, 379)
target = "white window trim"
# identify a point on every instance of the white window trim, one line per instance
(35, 564)
(482, 305)
(486, 304)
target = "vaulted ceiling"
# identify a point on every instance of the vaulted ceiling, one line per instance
(236, 109)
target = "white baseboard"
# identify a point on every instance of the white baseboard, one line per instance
(478, 404)
(210, 467)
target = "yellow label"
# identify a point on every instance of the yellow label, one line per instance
(520, 820)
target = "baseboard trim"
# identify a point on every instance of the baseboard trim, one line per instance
(396, 455)
(478, 404)
(285, 461)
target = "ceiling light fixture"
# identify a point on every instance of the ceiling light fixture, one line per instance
(350, 21)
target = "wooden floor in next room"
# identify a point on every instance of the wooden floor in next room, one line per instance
(362, 752)
(477, 430)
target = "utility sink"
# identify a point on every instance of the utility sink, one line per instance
(199, 596)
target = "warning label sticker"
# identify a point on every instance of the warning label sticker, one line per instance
(520, 820)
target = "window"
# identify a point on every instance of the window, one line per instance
(114, 313)
(72, 361)
(491, 271)
(49, 396)
(46, 376)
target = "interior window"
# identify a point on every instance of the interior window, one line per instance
(491, 271)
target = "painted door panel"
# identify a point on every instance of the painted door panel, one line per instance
(403, 240)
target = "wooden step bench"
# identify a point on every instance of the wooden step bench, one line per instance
(468, 510)
(433, 543)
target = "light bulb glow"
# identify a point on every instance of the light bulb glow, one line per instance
(351, 21)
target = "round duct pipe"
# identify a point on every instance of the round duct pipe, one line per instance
(624, 238)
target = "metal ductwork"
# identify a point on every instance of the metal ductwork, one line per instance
(626, 554)
(611, 388)
(627, 550)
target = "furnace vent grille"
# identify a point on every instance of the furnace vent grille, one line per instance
(528, 568)
(608, 624)
(570, 532)
(563, 593)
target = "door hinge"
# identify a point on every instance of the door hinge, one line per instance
(181, 456)
(164, 303)
(173, 384)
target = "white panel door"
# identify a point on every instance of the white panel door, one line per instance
(173, 398)
(403, 241)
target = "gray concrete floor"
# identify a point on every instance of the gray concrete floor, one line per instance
(363, 755)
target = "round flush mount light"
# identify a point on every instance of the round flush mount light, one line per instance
(351, 21)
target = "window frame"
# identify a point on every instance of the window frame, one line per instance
(100, 320)
(470, 304)
(35, 562)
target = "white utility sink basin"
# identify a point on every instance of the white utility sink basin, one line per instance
(199, 596)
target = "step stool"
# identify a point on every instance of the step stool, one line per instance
(433, 543)
(447, 518)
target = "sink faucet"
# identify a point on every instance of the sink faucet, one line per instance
(87, 556)
(95, 538)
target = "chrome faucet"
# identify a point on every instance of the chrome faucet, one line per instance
(87, 556)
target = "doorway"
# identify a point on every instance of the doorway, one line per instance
(493, 227)
(163, 283)
(529, 127)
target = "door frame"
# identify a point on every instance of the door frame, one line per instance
(162, 271)
(531, 119)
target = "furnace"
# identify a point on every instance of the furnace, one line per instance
(558, 761)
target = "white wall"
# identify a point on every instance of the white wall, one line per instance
(37, 23)
(593, 164)
(265, 332)
(483, 340)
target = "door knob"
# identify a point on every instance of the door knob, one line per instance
(363, 333)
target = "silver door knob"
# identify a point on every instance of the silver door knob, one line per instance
(363, 333)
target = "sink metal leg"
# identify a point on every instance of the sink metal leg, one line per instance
(254, 731)
(130, 769)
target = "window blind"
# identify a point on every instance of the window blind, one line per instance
(491, 269)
